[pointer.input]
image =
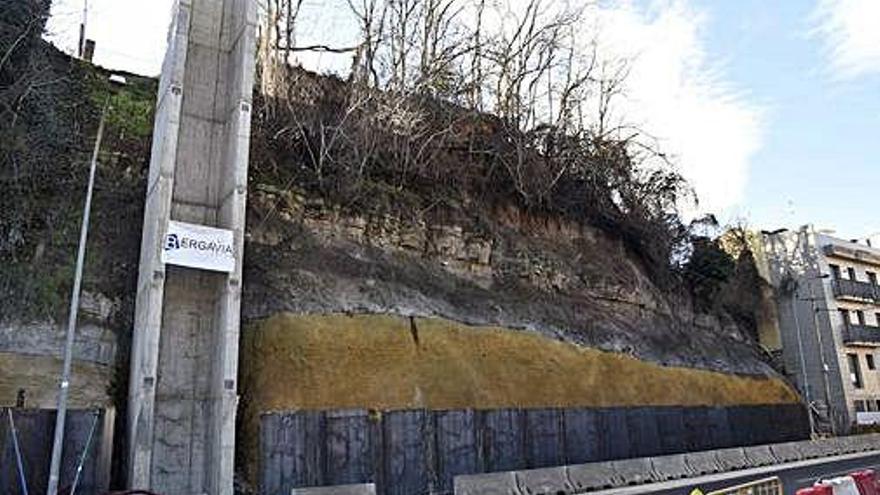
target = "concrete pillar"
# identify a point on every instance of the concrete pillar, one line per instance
(184, 359)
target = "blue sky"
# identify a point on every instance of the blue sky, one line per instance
(771, 108)
(819, 161)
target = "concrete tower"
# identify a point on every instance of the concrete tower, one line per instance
(184, 357)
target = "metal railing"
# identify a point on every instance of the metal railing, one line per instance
(856, 289)
(861, 334)
(766, 486)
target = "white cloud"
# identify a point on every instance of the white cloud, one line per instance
(677, 95)
(673, 90)
(850, 34)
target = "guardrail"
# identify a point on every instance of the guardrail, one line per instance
(856, 289)
(570, 480)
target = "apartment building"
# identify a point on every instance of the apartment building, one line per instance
(828, 321)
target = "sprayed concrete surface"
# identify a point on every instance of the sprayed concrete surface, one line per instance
(389, 362)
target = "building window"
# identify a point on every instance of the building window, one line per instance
(878, 404)
(835, 271)
(860, 316)
(851, 273)
(844, 315)
(869, 360)
(872, 277)
(872, 405)
(860, 406)
(878, 318)
(855, 372)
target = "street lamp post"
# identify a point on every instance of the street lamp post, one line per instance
(64, 388)
(820, 343)
(807, 395)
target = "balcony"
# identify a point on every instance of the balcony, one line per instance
(852, 289)
(861, 334)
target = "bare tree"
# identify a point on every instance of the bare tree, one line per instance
(371, 23)
(524, 86)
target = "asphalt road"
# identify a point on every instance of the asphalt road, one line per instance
(792, 478)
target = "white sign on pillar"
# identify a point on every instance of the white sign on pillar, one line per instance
(198, 246)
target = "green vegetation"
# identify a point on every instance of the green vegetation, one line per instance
(131, 106)
(708, 270)
(49, 109)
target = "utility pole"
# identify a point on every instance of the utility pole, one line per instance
(81, 49)
(57, 444)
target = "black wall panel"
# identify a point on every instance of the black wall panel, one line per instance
(418, 452)
(35, 430)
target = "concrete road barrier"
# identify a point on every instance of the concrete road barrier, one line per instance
(634, 471)
(360, 489)
(487, 484)
(591, 477)
(813, 450)
(545, 481)
(830, 446)
(671, 467)
(629, 472)
(834, 446)
(861, 443)
(867, 442)
(787, 452)
(732, 459)
(760, 455)
(845, 445)
(702, 462)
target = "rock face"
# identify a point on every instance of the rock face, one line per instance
(505, 268)
(30, 358)
(388, 317)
